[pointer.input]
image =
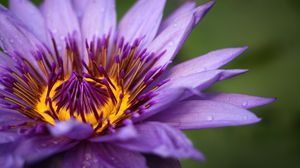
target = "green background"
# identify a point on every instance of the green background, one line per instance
(271, 29)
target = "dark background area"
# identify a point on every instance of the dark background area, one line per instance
(271, 29)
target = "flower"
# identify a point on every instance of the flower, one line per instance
(78, 87)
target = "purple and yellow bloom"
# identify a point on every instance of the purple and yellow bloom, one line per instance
(78, 86)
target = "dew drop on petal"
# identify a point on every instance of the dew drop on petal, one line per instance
(95, 161)
(88, 156)
(245, 104)
(54, 31)
(62, 38)
(170, 44)
(210, 118)
(204, 69)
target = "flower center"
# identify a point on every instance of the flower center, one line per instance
(86, 99)
(114, 84)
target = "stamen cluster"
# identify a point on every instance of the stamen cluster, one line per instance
(105, 84)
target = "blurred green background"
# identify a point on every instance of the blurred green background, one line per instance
(271, 29)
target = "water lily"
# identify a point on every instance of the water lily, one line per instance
(78, 89)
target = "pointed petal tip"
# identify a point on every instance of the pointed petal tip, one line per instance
(202, 10)
(251, 121)
(208, 5)
(227, 74)
(199, 156)
(242, 71)
(245, 47)
(269, 100)
(242, 49)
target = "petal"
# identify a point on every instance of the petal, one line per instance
(99, 19)
(202, 80)
(183, 9)
(164, 99)
(184, 87)
(240, 100)
(12, 118)
(7, 158)
(14, 37)
(61, 21)
(198, 114)
(31, 16)
(72, 129)
(100, 155)
(40, 147)
(8, 136)
(123, 133)
(142, 21)
(158, 162)
(80, 6)
(171, 39)
(210, 61)
(201, 11)
(161, 139)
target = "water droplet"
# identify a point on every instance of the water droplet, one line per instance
(95, 161)
(245, 104)
(62, 38)
(54, 31)
(210, 118)
(204, 69)
(171, 44)
(86, 164)
(112, 158)
(245, 117)
(11, 41)
(88, 156)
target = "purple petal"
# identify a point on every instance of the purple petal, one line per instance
(202, 80)
(72, 129)
(12, 118)
(198, 114)
(161, 139)
(61, 21)
(201, 11)
(142, 21)
(7, 158)
(6, 61)
(240, 100)
(164, 99)
(171, 39)
(158, 162)
(184, 87)
(99, 19)
(40, 147)
(100, 155)
(8, 136)
(14, 37)
(123, 133)
(210, 61)
(27, 12)
(185, 8)
(80, 6)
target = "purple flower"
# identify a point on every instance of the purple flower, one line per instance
(77, 86)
